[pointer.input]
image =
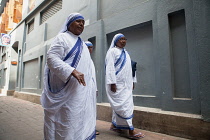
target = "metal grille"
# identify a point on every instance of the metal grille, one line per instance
(30, 26)
(51, 10)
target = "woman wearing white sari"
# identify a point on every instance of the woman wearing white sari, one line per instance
(68, 97)
(90, 48)
(119, 86)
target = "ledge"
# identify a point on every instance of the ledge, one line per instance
(183, 125)
(32, 97)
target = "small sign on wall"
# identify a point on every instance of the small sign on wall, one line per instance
(14, 62)
(5, 39)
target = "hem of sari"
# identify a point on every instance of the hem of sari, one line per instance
(130, 117)
(92, 136)
(123, 126)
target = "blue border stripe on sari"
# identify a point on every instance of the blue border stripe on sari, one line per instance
(123, 63)
(119, 59)
(73, 49)
(92, 136)
(77, 53)
(124, 117)
(123, 126)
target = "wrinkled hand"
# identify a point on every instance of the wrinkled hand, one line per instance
(79, 76)
(113, 87)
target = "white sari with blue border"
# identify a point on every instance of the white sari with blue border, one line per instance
(119, 72)
(70, 108)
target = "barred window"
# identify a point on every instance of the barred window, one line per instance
(30, 26)
(50, 10)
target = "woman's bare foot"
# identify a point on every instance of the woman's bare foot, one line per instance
(112, 126)
(97, 132)
(133, 134)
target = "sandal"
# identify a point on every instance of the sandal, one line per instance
(137, 136)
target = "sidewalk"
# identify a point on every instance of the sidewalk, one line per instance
(23, 120)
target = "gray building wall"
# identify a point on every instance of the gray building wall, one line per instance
(8, 71)
(202, 40)
(169, 39)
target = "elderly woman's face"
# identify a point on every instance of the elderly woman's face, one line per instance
(121, 42)
(90, 48)
(77, 27)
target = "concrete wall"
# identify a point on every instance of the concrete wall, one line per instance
(169, 39)
(202, 41)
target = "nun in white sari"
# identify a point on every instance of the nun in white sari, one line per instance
(90, 48)
(69, 94)
(119, 86)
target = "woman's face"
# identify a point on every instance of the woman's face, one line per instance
(90, 48)
(77, 27)
(121, 42)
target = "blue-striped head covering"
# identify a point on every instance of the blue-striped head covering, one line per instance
(71, 18)
(115, 39)
(88, 43)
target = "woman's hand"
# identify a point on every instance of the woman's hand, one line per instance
(113, 87)
(79, 76)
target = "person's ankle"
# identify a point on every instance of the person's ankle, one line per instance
(112, 126)
(131, 132)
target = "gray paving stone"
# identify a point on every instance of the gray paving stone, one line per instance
(23, 120)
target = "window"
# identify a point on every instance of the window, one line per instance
(179, 54)
(30, 26)
(50, 10)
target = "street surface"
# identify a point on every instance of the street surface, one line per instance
(23, 120)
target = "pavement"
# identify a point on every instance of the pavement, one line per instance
(23, 120)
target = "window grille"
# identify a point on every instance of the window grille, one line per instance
(51, 10)
(30, 26)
